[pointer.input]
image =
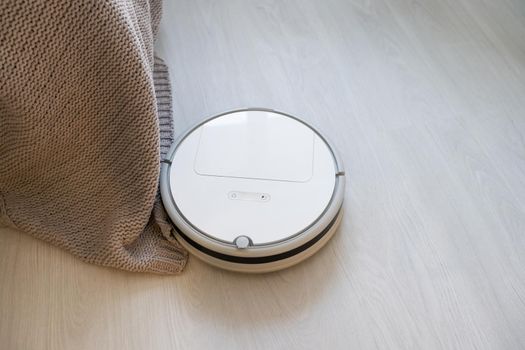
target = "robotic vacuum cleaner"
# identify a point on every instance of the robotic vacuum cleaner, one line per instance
(253, 190)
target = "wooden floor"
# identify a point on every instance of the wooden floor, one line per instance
(425, 100)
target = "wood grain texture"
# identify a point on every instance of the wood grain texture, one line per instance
(425, 100)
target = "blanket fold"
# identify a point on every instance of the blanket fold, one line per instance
(85, 112)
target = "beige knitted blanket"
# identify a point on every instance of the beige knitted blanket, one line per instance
(85, 110)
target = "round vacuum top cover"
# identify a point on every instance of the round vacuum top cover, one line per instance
(254, 173)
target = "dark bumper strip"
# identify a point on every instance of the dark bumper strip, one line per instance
(259, 259)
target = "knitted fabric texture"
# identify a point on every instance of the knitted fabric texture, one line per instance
(85, 112)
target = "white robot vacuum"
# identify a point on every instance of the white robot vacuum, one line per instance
(253, 190)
